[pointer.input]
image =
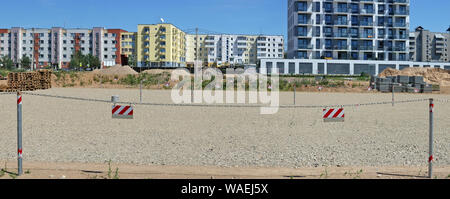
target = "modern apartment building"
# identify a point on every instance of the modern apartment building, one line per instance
(55, 47)
(426, 46)
(226, 50)
(127, 46)
(348, 29)
(160, 45)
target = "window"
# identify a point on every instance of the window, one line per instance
(317, 7)
(301, 31)
(302, 6)
(302, 19)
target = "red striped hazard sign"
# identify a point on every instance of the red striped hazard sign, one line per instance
(122, 112)
(333, 115)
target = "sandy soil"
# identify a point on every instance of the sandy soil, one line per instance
(46, 170)
(382, 136)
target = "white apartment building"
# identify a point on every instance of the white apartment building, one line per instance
(348, 29)
(427, 46)
(55, 47)
(232, 49)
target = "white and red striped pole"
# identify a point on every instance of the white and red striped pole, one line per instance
(430, 158)
(19, 133)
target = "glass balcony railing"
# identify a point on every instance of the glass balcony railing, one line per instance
(365, 48)
(400, 25)
(366, 23)
(341, 22)
(340, 47)
(341, 34)
(305, 46)
(367, 11)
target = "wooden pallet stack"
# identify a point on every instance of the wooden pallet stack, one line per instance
(29, 81)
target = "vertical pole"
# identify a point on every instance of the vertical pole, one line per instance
(392, 94)
(295, 84)
(19, 133)
(430, 159)
(140, 92)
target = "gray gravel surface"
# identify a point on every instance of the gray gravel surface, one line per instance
(76, 131)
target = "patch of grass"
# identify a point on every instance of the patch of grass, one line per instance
(324, 174)
(355, 175)
(27, 171)
(13, 176)
(448, 176)
(68, 85)
(109, 174)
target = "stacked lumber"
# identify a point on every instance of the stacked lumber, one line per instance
(28, 81)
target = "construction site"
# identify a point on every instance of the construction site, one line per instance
(68, 130)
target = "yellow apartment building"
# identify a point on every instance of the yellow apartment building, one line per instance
(160, 45)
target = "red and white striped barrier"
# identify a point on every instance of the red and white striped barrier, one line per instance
(122, 112)
(19, 99)
(333, 115)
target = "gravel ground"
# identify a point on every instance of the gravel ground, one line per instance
(58, 130)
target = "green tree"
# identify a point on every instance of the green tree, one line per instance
(6, 63)
(93, 61)
(77, 59)
(132, 61)
(25, 62)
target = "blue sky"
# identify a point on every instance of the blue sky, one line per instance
(219, 16)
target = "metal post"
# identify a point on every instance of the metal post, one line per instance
(430, 159)
(140, 92)
(392, 94)
(294, 91)
(19, 133)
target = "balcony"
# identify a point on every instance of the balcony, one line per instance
(399, 1)
(365, 48)
(341, 34)
(367, 11)
(341, 10)
(366, 23)
(367, 36)
(341, 23)
(400, 25)
(305, 47)
(340, 47)
(401, 12)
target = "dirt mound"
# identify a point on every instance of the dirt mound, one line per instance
(430, 75)
(116, 70)
(157, 71)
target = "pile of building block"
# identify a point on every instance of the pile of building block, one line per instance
(28, 81)
(400, 83)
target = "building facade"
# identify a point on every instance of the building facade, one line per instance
(348, 29)
(426, 46)
(226, 50)
(160, 45)
(339, 67)
(55, 47)
(128, 47)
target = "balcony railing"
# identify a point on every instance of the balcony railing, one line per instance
(367, 11)
(370, 48)
(303, 47)
(341, 34)
(367, 35)
(366, 23)
(341, 22)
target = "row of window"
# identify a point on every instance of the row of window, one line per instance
(353, 7)
(355, 20)
(354, 56)
(353, 32)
